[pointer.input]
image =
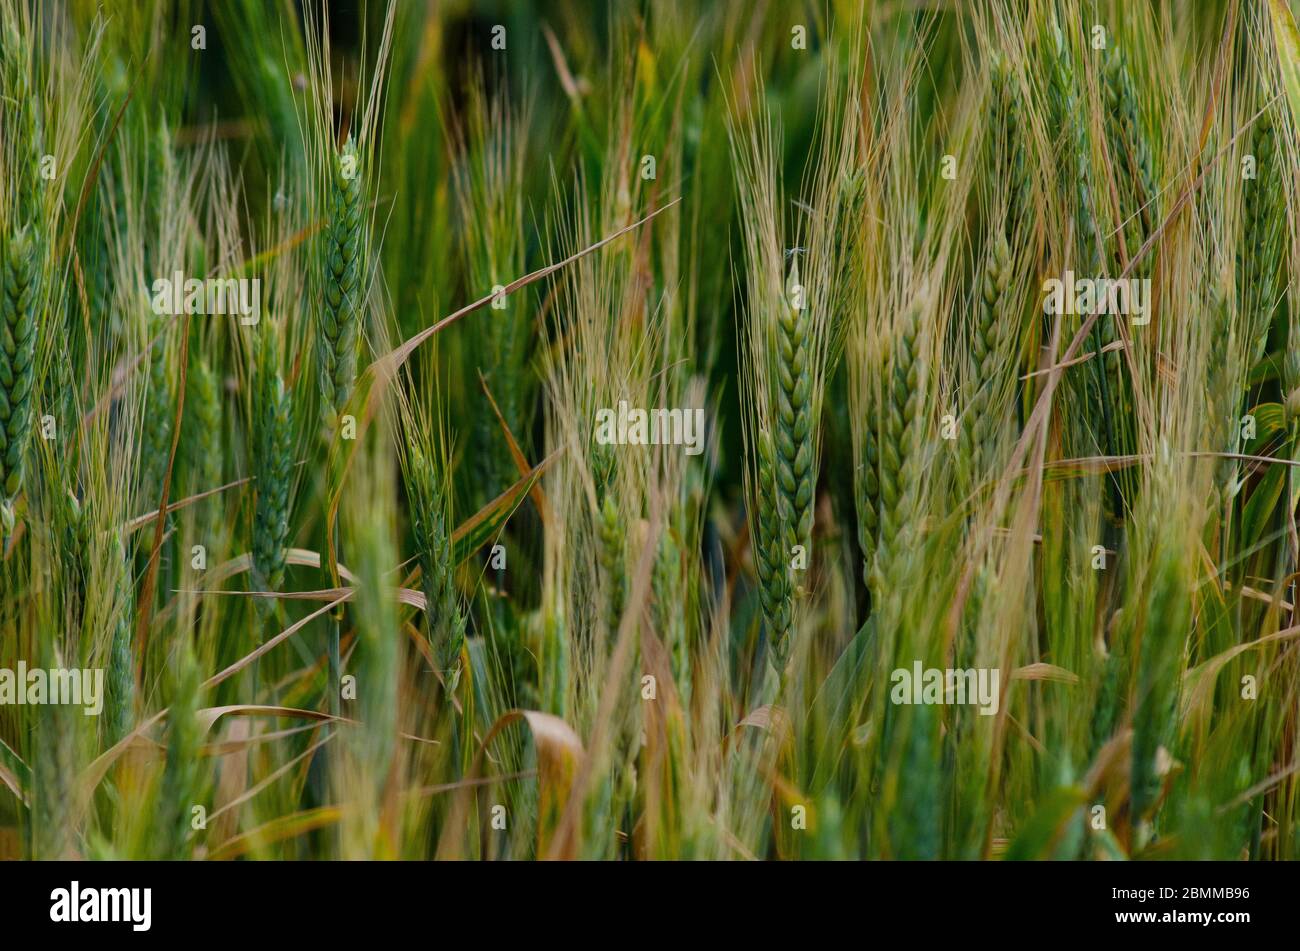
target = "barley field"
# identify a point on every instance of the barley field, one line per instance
(649, 430)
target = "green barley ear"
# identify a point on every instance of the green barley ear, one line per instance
(602, 468)
(1130, 148)
(489, 178)
(1007, 165)
(1008, 160)
(23, 124)
(1068, 109)
(1221, 394)
(610, 530)
(160, 414)
(181, 789)
(1067, 114)
(202, 434)
(900, 439)
(273, 460)
(1263, 236)
(72, 529)
(980, 422)
(430, 519)
(613, 562)
(794, 446)
(796, 305)
(120, 706)
(17, 365)
(159, 181)
(1158, 665)
(339, 327)
(785, 476)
